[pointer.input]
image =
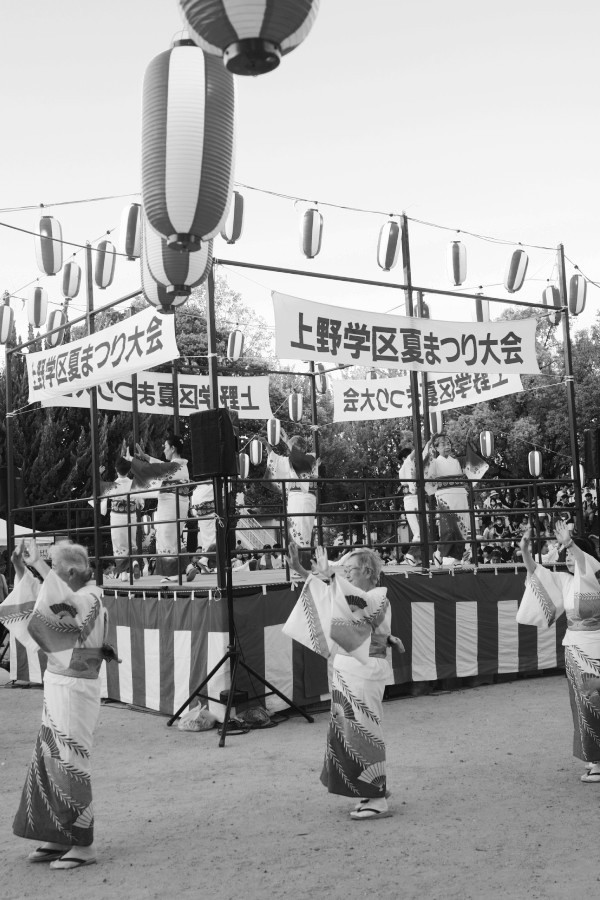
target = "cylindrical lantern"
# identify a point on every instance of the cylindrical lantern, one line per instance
(581, 474)
(457, 262)
(177, 271)
(436, 422)
(7, 318)
(37, 306)
(187, 145)
(48, 246)
(252, 35)
(243, 465)
(421, 309)
(486, 443)
(516, 271)
(295, 406)
(235, 345)
(320, 379)
(482, 310)
(551, 298)
(156, 294)
(311, 232)
(71, 279)
(388, 245)
(232, 227)
(256, 452)
(273, 431)
(56, 319)
(577, 294)
(535, 463)
(130, 232)
(104, 270)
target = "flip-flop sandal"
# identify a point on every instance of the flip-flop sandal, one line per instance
(591, 777)
(362, 802)
(71, 862)
(367, 812)
(45, 854)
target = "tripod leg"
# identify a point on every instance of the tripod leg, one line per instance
(199, 688)
(235, 656)
(272, 688)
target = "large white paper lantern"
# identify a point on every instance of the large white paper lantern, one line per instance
(56, 319)
(48, 246)
(37, 306)
(486, 443)
(71, 281)
(104, 269)
(187, 145)
(130, 232)
(235, 345)
(388, 245)
(243, 465)
(535, 463)
(456, 261)
(256, 452)
(577, 294)
(177, 271)
(273, 431)
(295, 403)
(232, 227)
(311, 232)
(7, 318)
(551, 299)
(156, 294)
(250, 35)
(516, 271)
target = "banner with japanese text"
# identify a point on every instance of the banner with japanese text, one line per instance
(390, 398)
(318, 332)
(249, 397)
(137, 343)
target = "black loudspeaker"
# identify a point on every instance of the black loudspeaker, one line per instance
(591, 452)
(214, 443)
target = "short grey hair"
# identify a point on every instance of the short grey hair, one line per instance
(367, 557)
(72, 556)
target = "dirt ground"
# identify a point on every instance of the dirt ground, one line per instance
(486, 797)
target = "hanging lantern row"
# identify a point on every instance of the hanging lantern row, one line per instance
(551, 299)
(71, 279)
(250, 36)
(104, 269)
(235, 345)
(130, 232)
(516, 271)
(37, 306)
(535, 463)
(295, 403)
(243, 465)
(7, 318)
(232, 228)
(157, 294)
(176, 271)
(256, 452)
(486, 444)
(482, 310)
(48, 246)
(273, 432)
(187, 145)
(56, 319)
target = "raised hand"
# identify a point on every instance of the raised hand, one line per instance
(32, 552)
(563, 535)
(17, 559)
(321, 565)
(524, 542)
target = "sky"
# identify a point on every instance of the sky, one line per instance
(473, 117)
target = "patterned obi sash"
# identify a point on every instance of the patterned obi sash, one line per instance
(85, 663)
(202, 509)
(122, 506)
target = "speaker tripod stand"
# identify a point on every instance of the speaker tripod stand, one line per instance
(233, 654)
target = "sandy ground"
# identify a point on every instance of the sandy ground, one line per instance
(486, 797)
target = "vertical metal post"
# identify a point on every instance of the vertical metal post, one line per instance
(424, 394)
(95, 440)
(316, 449)
(10, 463)
(219, 483)
(570, 385)
(414, 389)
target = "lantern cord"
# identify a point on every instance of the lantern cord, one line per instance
(589, 280)
(9, 209)
(61, 240)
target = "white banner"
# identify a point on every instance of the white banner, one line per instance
(390, 398)
(137, 343)
(249, 397)
(321, 333)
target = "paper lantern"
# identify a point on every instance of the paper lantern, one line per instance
(104, 270)
(48, 246)
(551, 298)
(130, 232)
(56, 319)
(388, 245)
(250, 35)
(436, 422)
(232, 227)
(577, 294)
(486, 443)
(71, 279)
(256, 452)
(535, 463)
(7, 318)
(311, 232)
(295, 406)
(37, 306)
(243, 465)
(482, 310)
(320, 379)
(273, 432)
(176, 270)
(457, 262)
(581, 474)
(156, 294)
(235, 345)
(187, 145)
(516, 271)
